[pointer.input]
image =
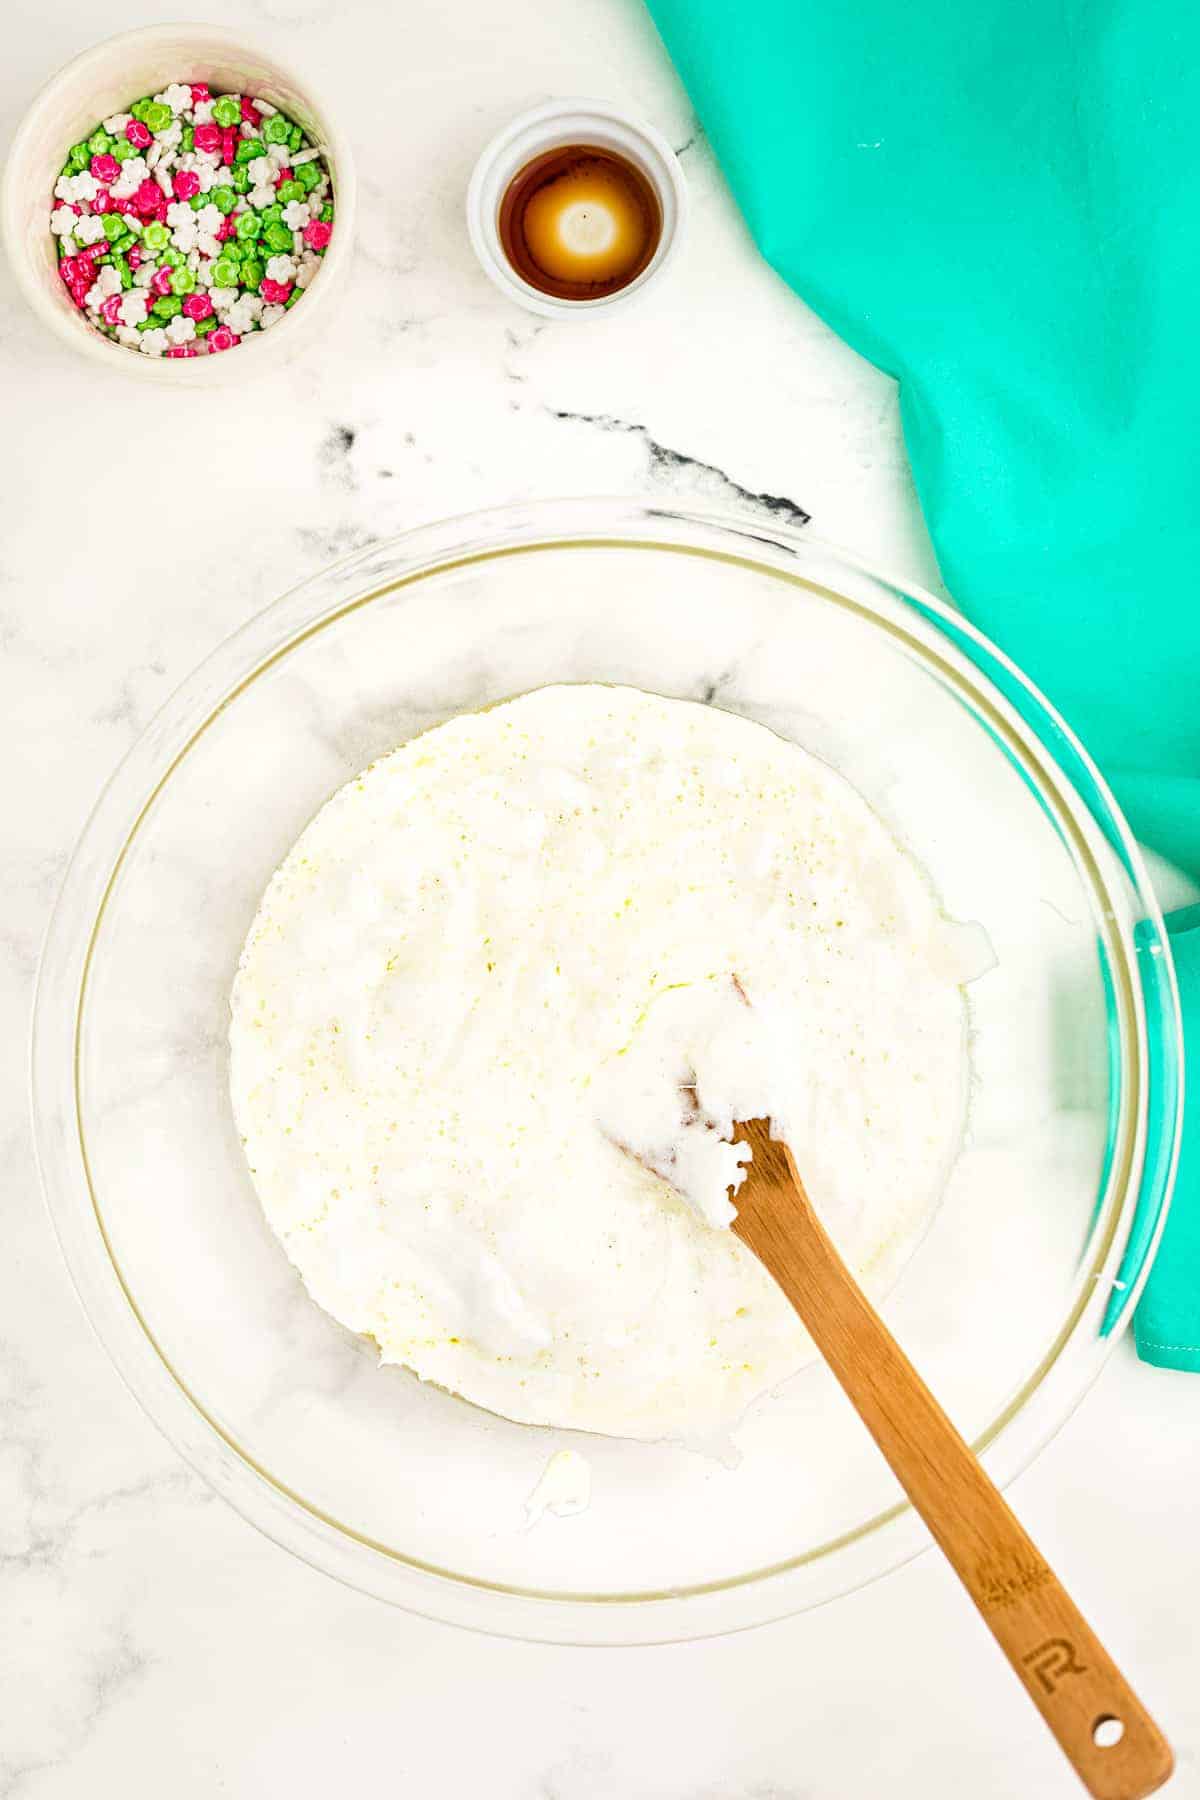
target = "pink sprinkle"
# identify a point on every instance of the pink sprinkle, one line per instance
(92, 254)
(207, 138)
(182, 350)
(110, 309)
(137, 133)
(186, 183)
(103, 201)
(285, 174)
(80, 290)
(249, 111)
(161, 283)
(147, 197)
(229, 143)
(68, 268)
(222, 339)
(133, 256)
(105, 168)
(317, 233)
(274, 292)
(119, 204)
(226, 229)
(200, 93)
(197, 306)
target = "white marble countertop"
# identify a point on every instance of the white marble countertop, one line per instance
(152, 1643)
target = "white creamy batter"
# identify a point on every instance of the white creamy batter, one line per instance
(535, 939)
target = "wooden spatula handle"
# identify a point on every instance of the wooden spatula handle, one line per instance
(1067, 1673)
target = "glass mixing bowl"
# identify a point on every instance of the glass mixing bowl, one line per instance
(1015, 1292)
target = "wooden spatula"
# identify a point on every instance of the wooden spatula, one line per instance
(1114, 1745)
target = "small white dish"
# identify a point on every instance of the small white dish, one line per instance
(549, 127)
(100, 82)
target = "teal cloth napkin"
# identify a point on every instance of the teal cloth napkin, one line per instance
(999, 203)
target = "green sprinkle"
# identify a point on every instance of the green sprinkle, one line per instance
(227, 110)
(188, 140)
(308, 175)
(78, 159)
(241, 178)
(156, 236)
(224, 272)
(232, 250)
(122, 150)
(277, 129)
(277, 237)
(183, 281)
(149, 323)
(296, 294)
(171, 259)
(114, 226)
(271, 214)
(223, 198)
(100, 143)
(249, 225)
(291, 190)
(124, 271)
(204, 326)
(327, 213)
(197, 201)
(295, 139)
(167, 306)
(157, 116)
(248, 148)
(252, 272)
(138, 109)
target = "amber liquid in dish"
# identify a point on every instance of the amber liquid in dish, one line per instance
(580, 222)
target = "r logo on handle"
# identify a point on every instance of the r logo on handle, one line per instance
(1052, 1661)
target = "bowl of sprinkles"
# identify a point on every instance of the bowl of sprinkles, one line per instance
(175, 194)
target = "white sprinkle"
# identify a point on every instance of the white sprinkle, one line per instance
(62, 221)
(144, 276)
(222, 297)
(296, 214)
(153, 343)
(115, 126)
(127, 335)
(164, 181)
(178, 97)
(134, 307)
(265, 108)
(280, 268)
(303, 156)
(259, 169)
(207, 244)
(89, 229)
(271, 315)
(108, 281)
(181, 329)
(279, 156)
(202, 112)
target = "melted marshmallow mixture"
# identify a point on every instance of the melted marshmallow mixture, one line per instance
(500, 1009)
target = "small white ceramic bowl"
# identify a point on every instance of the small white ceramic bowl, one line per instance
(548, 127)
(102, 81)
